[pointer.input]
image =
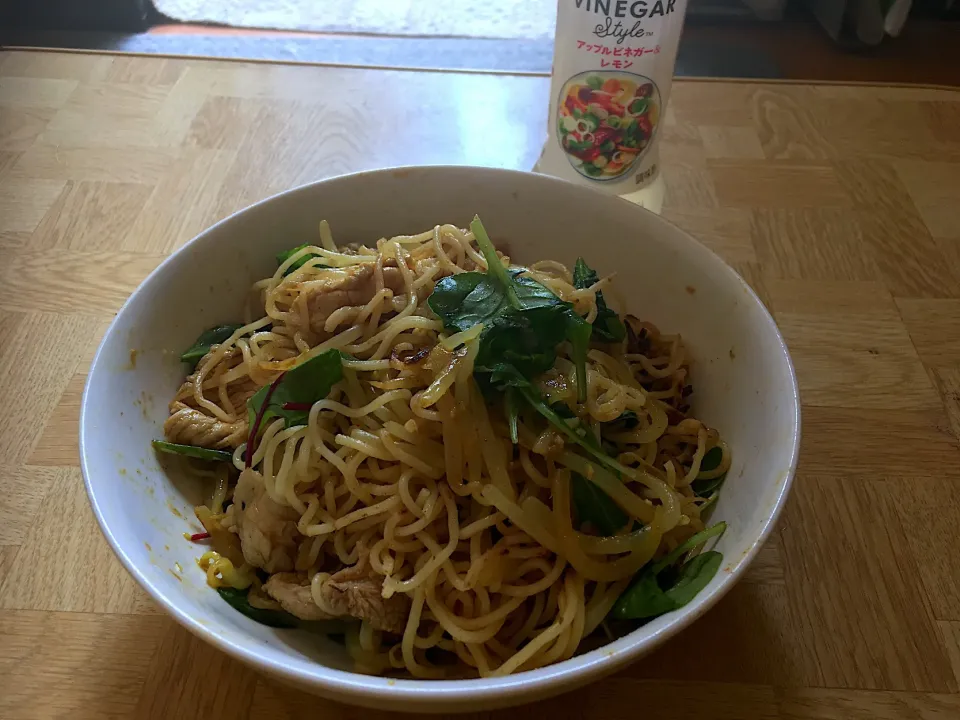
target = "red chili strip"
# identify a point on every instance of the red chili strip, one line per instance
(255, 428)
(196, 537)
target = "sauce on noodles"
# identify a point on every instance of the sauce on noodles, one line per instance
(452, 506)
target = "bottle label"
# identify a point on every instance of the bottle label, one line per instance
(612, 73)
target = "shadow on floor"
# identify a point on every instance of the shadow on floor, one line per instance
(928, 52)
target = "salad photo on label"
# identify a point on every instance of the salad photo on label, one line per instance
(605, 121)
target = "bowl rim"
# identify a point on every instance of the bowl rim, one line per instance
(497, 691)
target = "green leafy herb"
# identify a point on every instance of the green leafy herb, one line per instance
(297, 390)
(207, 339)
(638, 106)
(711, 461)
(193, 451)
(523, 322)
(544, 318)
(528, 341)
(607, 326)
(694, 576)
(647, 597)
(595, 81)
(471, 298)
(575, 145)
(282, 257)
(238, 600)
(643, 599)
(594, 506)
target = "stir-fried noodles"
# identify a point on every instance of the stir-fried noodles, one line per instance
(462, 466)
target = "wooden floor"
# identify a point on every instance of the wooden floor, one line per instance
(927, 52)
(840, 205)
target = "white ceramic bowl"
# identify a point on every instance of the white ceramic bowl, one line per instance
(743, 377)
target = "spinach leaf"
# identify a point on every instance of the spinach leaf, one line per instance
(646, 597)
(711, 461)
(528, 341)
(523, 321)
(469, 299)
(282, 257)
(642, 599)
(607, 326)
(466, 299)
(207, 339)
(695, 575)
(192, 451)
(594, 506)
(706, 488)
(237, 599)
(691, 543)
(297, 390)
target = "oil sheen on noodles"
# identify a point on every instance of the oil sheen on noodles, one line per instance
(406, 473)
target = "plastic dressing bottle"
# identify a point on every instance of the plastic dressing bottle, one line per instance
(612, 72)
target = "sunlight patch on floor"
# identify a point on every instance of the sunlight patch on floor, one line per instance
(531, 19)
